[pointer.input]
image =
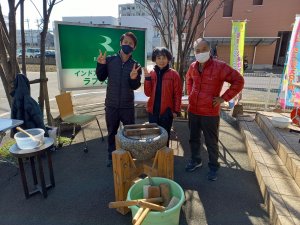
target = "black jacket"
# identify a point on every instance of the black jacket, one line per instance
(24, 107)
(120, 87)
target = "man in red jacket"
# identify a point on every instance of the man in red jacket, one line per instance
(204, 82)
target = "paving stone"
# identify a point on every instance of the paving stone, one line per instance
(278, 171)
(287, 186)
(274, 170)
(296, 220)
(279, 206)
(293, 205)
(285, 220)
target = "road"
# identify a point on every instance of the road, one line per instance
(255, 87)
(98, 94)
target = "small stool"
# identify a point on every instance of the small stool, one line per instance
(32, 153)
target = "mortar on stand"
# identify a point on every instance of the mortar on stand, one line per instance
(141, 150)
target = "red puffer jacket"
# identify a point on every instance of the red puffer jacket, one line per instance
(203, 87)
(171, 92)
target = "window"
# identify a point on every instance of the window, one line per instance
(257, 2)
(227, 10)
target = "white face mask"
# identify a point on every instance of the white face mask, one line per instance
(202, 57)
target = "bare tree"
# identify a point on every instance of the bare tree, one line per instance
(9, 65)
(8, 62)
(23, 42)
(45, 16)
(182, 17)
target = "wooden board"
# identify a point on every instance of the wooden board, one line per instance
(141, 131)
(135, 126)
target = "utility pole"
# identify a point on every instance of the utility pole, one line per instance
(38, 25)
(29, 30)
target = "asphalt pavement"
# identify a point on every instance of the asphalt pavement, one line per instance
(84, 185)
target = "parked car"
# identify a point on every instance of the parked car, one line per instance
(48, 54)
(30, 52)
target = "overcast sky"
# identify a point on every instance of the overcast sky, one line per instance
(67, 8)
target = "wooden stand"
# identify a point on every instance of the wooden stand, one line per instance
(126, 170)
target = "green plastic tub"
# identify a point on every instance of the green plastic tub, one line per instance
(168, 217)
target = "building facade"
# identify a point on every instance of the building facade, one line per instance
(33, 39)
(268, 29)
(132, 9)
(136, 15)
(106, 20)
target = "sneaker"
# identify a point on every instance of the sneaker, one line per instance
(109, 163)
(192, 165)
(212, 175)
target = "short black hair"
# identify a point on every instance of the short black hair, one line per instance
(131, 35)
(161, 51)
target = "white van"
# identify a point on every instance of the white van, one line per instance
(30, 52)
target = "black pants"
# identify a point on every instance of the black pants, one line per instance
(209, 125)
(165, 120)
(113, 117)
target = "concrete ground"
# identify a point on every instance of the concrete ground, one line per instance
(84, 186)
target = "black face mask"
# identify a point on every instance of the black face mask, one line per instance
(127, 49)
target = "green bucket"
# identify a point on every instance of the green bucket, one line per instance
(168, 217)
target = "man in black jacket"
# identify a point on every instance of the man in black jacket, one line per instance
(124, 76)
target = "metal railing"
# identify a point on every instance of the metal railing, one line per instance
(260, 91)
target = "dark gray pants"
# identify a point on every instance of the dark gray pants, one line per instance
(209, 125)
(165, 120)
(113, 117)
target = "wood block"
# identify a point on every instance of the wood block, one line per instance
(165, 193)
(174, 201)
(153, 192)
(165, 163)
(145, 191)
(117, 141)
(122, 174)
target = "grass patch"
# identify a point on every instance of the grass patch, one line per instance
(5, 154)
(36, 68)
(64, 141)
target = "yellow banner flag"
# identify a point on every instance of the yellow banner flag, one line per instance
(237, 45)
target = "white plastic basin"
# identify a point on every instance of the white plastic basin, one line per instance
(25, 142)
(281, 122)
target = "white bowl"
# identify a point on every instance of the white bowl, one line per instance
(281, 122)
(25, 142)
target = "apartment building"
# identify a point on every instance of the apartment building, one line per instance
(268, 29)
(132, 9)
(33, 39)
(136, 15)
(107, 20)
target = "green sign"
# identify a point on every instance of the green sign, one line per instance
(78, 45)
